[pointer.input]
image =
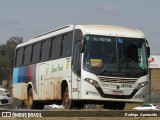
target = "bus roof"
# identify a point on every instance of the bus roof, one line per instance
(49, 34)
(108, 30)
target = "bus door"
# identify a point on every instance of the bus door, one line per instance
(41, 82)
(76, 80)
(75, 86)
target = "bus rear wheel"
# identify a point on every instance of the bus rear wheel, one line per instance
(31, 103)
(30, 99)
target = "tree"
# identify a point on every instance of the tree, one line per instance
(4, 68)
(7, 54)
(10, 47)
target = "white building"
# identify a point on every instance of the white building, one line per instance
(154, 61)
(154, 65)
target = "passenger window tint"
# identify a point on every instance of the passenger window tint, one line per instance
(45, 50)
(19, 57)
(56, 47)
(27, 54)
(67, 45)
(36, 52)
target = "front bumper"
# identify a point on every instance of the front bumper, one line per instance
(98, 93)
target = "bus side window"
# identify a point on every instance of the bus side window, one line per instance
(27, 54)
(19, 57)
(56, 47)
(67, 45)
(36, 52)
(45, 50)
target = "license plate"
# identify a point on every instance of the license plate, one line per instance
(117, 93)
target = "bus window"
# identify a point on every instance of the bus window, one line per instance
(45, 50)
(36, 52)
(132, 53)
(19, 57)
(56, 47)
(67, 45)
(27, 54)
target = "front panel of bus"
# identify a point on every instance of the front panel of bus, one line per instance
(114, 68)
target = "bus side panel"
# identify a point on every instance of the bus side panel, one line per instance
(53, 89)
(19, 91)
(48, 87)
(55, 72)
(21, 77)
(48, 77)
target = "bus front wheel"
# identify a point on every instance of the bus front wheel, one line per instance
(66, 102)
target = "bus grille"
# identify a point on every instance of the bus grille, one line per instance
(117, 80)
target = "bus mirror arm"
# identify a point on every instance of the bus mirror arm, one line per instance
(81, 46)
(148, 51)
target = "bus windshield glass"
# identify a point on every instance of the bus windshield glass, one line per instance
(115, 56)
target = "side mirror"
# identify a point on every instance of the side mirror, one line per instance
(148, 51)
(81, 46)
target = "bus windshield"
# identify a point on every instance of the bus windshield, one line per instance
(115, 56)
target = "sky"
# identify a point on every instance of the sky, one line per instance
(28, 18)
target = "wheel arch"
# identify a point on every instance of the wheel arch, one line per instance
(64, 84)
(29, 86)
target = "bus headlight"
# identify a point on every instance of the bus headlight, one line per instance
(141, 85)
(92, 82)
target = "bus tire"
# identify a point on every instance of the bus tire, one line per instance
(31, 103)
(66, 102)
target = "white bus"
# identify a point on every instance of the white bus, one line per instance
(83, 64)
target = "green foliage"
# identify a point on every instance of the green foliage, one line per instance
(4, 68)
(7, 54)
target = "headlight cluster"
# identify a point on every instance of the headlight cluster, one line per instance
(3, 93)
(92, 82)
(141, 85)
